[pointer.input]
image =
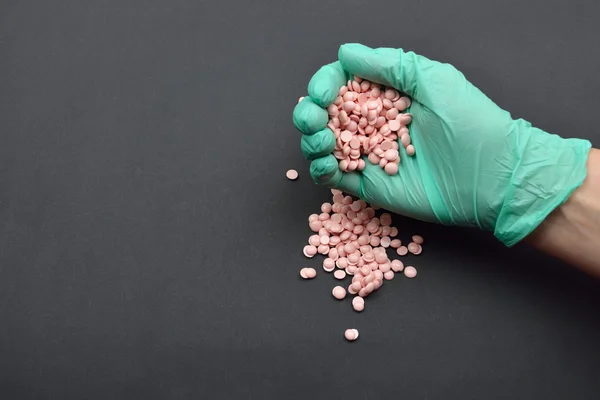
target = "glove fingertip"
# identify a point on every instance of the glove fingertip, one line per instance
(308, 117)
(325, 84)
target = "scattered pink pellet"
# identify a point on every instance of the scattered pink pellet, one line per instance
(413, 247)
(351, 334)
(339, 274)
(309, 251)
(410, 272)
(358, 303)
(354, 239)
(338, 292)
(308, 273)
(417, 239)
(292, 174)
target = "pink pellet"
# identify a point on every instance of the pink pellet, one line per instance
(339, 274)
(397, 265)
(328, 265)
(410, 150)
(389, 275)
(413, 247)
(308, 273)
(309, 251)
(391, 168)
(417, 239)
(292, 174)
(410, 272)
(338, 292)
(351, 334)
(358, 303)
(396, 243)
(402, 251)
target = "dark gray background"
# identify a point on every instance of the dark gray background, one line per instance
(150, 243)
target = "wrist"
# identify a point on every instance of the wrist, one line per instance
(572, 231)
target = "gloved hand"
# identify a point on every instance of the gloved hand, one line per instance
(474, 164)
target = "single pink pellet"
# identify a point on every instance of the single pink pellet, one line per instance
(402, 251)
(358, 303)
(324, 239)
(394, 125)
(394, 232)
(338, 292)
(405, 139)
(385, 241)
(328, 265)
(410, 150)
(342, 262)
(391, 168)
(394, 244)
(308, 273)
(418, 239)
(292, 174)
(351, 334)
(397, 265)
(410, 272)
(309, 251)
(389, 275)
(346, 136)
(339, 274)
(413, 247)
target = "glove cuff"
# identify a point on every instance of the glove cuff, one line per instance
(549, 169)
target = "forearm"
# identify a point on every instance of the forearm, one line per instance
(572, 231)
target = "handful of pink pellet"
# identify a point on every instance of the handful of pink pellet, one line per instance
(367, 119)
(354, 241)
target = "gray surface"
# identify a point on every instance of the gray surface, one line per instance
(149, 241)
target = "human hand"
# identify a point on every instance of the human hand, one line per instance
(474, 164)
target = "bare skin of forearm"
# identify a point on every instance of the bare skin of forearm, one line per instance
(572, 231)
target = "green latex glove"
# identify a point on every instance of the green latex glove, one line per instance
(474, 164)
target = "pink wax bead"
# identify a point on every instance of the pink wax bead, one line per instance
(338, 292)
(394, 232)
(342, 263)
(391, 154)
(355, 287)
(309, 251)
(405, 119)
(314, 240)
(383, 162)
(386, 145)
(397, 265)
(358, 303)
(323, 249)
(328, 265)
(410, 272)
(385, 267)
(361, 165)
(381, 257)
(385, 242)
(351, 334)
(339, 274)
(402, 251)
(417, 239)
(374, 241)
(391, 113)
(419, 250)
(405, 139)
(388, 276)
(315, 225)
(394, 244)
(410, 150)
(394, 125)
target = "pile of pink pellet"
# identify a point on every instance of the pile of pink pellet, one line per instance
(366, 119)
(354, 241)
